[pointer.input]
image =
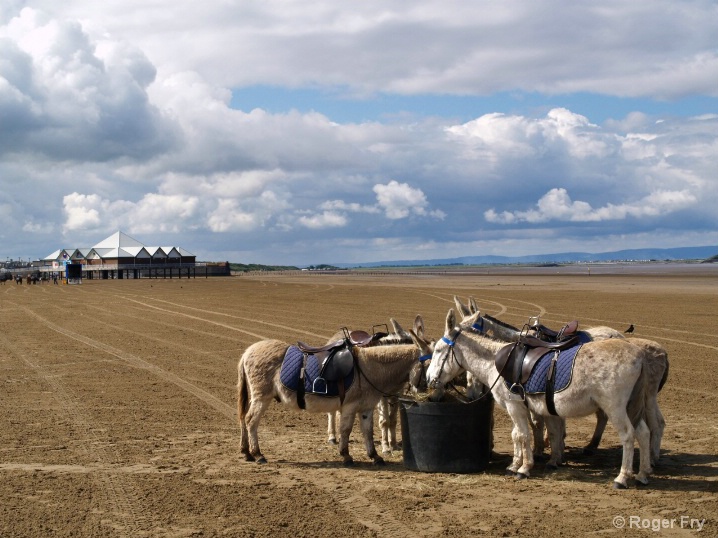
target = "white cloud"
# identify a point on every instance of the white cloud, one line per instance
(646, 48)
(111, 118)
(325, 219)
(399, 200)
(556, 205)
(71, 98)
(83, 211)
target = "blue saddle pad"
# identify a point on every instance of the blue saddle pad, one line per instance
(583, 337)
(536, 383)
(292, 366)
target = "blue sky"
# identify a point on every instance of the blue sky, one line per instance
(337, 106)
(281, 132)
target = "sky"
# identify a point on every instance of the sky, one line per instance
(300, 133)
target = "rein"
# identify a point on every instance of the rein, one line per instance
(422, 360)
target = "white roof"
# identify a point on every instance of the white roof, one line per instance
(118, 245)
(118, 240)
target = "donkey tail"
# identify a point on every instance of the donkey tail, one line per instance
(242, 395)
(636, 407)
(665, 376)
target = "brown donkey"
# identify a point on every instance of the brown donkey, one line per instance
(378, 371)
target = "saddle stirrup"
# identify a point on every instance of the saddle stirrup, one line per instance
(319, 390)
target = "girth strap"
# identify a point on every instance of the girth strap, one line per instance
(550, 384)
(300, 387)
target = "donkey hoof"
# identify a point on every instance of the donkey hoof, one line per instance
(262, 460)
(348, 463)
(618, 485)
(551, 467)
(521, 476)
(379, 461)
(332, 442)
(509, 472)
(248, 457)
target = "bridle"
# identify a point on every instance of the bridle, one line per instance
(450, 340)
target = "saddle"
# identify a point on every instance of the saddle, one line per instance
(549, 335)
(355, 338)
(516, 361)
(335, 361)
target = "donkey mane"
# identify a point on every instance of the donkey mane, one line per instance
(499, 322)
(494, 343)
(393, 339)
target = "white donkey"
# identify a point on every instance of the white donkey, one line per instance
(607, 375)
(656, 366)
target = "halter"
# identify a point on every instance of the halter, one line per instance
(479, 325)
(450, 341)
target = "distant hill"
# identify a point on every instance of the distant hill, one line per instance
(247, 267)
(707, 253)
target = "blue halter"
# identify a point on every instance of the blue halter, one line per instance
(450, 341)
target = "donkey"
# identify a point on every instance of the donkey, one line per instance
(656, 366)
(388, 406)
(378, 371)
(607, 375)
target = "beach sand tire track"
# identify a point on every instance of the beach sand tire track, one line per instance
(363, 510)
(122, 501)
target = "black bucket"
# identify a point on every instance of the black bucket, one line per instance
(446, 437)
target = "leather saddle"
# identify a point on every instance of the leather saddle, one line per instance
(549, 335)
(516, 361)
(335, 359)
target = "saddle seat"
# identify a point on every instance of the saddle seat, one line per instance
(335, 359)
(549, 335)
(355, 338)
(516, 361)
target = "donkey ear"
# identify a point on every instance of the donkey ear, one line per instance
(474, 318)
(397, 328)
(420, 343)
(473, 307)
(419, 326)
(450, 321)
(460, 307)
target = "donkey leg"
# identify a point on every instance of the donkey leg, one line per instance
(537, 426)
(601, 421)
(393, 421)
(244, 440)
(523, 460)
(256, 410)
(332, 427)
(556, 428)
(346, 422)
(656, 424)
(366, 421)
(626, 434)
(643, 435)
(474, 387)
(384, 408)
